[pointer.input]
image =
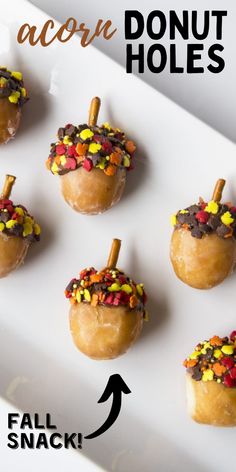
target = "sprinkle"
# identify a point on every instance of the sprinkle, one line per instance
(17, 75)
(139, 290)
(227, 219)
(14, 97)
(107, 126)
(67, 140)
(195, 354)
(86, 134)
(87, 295)
(37, 229)
(81, 149)
(110, 170)
(217, 353)
(114, 287)
(212, 207)
(87, 164)
(126, 288)
(130, 147)
(133, 301)
(227, 349)
(60, 149)
(28, 229)
(23, 92)
(94, 148)
(207, 375)
(173, 220)
(126, 161)
(54, 168)
(216, 341)
(78, 296)
(2, 226)
(184, 212)
(10, 224)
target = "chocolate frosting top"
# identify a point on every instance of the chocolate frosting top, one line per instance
(12, 87)
(109, 287)
(90, 147)
(16, 221)
(214, 360)
(206, 218)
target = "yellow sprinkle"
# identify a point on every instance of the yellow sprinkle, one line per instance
(86, 134)
(208, 375)
(107, 126)
(217, 353)
(37, 229)
(146, 316)
(67, 140)
(101, 164)
(126, 161)
(227, 349)
(183, 212)
(14, 97)
(54, 168)
(212, 207)
(19, 211)
(227, 218)
(10, 224)
(126, 288)
(139, 289)
(173, 220)
(94, 148)
(17, 75)
(218, 381)
(28, 228)
(78, 296)
(23, 92)
(114, 287)
(29, 220)
(2, 226)
(195, 355)
(63, 160)
(87, 295)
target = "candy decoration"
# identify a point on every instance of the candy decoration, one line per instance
(203, 244)
(99, 158)
(13, 96)
(107, 309)
(211, 381)
(17, 230)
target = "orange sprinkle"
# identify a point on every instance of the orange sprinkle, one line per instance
(216, 341)
(95, 278)
(219, 369)
(81, 149)
(190, 363)
(118, 150)
(72, 301)
(57, 159)
(110, 170)
(94, 300)
(133, 301)
(130, 147)
(115, 158)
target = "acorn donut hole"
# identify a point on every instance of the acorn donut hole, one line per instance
(211, 381)
(203, 244)
(92, 162)
(107, 310)
(17, 231)
(13, 96)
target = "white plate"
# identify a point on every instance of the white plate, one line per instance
(178, 159)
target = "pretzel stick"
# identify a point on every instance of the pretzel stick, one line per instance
(114, 254)
(217, 194)
(94, 110)
(7, 188)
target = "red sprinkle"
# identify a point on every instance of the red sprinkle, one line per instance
(233, 336)
(228, 381)
(109, 299)
(70, 163)
(202, 216)
(203, 205)
(228, 362)
(87, 164)
(233, 372)
(71, 151)
(107, 147)
(10, 208)
(60, 149)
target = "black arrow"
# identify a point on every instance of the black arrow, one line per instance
(115, 386)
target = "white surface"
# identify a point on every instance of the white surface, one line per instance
(211, 97)
(153, 431)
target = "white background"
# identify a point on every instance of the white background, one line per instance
(211, 97)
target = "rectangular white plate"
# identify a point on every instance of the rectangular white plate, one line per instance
(178, 159)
